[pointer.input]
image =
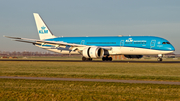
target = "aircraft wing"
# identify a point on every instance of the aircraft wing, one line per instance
(54, 43)
(35, 41)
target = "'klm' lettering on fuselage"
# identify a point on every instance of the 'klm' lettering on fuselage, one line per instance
(129, 40)
(43, 31)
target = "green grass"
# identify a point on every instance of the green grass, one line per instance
(40, 90)
(37, 90)
(100, 70)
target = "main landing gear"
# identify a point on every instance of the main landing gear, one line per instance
(107, 58)
(86, 59)
(104, 59)
(160, 57)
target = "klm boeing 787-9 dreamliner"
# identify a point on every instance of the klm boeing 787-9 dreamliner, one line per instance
(98, 47)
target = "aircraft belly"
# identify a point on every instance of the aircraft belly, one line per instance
(132, 50)
(158, 52)
(139, 51)
(115, 50)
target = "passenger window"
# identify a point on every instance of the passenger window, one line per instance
(164, 43)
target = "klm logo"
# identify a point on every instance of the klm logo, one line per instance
(129, 40)
(43, 31)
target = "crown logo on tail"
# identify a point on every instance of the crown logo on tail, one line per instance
(43, 31)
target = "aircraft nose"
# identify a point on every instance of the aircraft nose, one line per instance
(172, 48)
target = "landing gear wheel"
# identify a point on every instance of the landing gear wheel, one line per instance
(83, 59)
(107, 58)
(104, 58)
(110, 58)
(159, 59)
(89, 59)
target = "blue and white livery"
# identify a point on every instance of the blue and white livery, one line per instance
(98, 47)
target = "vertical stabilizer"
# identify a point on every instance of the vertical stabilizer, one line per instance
(43, 30)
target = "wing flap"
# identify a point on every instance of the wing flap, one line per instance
(25, 41)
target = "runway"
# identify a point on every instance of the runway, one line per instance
(92, 80)
(120, 61)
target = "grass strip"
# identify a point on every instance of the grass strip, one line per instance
(133, 71)
(40, 90)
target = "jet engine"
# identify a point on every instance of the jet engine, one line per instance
(134, 56)
(93, 52)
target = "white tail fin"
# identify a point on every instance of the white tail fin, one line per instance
(43, 30)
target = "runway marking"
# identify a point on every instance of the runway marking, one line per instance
(92, 80)
(121, 61)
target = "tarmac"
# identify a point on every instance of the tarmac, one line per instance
(93, 80)
(120, 61)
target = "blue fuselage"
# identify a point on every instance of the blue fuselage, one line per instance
(145, 42)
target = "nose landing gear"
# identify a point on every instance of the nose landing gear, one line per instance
(160, 57)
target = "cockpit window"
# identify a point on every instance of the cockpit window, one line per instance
(165, 43)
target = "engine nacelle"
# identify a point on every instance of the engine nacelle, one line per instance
(93, 52)
(134, 56)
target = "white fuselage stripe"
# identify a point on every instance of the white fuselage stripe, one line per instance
(114, 51)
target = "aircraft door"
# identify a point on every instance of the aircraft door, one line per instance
(153, 43)
(121, 43)
(82, 42)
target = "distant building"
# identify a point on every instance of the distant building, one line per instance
(4, 57)
(118, 57)
(170, 55)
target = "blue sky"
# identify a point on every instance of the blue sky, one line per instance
(89, 17)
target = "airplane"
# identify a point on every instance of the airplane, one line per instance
(91, 47)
